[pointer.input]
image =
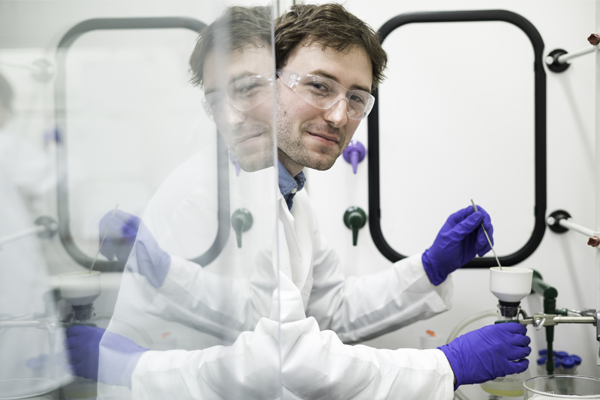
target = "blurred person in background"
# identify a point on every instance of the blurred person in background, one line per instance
(25, 178)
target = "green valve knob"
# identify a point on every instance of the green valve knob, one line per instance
(241, 221)
(355, 218)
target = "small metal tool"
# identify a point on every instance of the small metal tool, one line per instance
(488, 238)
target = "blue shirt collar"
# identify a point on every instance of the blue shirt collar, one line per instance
(288, 185)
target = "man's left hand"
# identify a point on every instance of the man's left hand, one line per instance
(102, 355)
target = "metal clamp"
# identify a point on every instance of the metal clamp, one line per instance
(539, 323)
(586, 316)
(541, 320)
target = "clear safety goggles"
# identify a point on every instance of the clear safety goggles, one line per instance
(324, 93)
(243, 94)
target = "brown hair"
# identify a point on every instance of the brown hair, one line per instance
(331, 26)
(236, 28)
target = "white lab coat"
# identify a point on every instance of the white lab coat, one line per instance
(303, 356)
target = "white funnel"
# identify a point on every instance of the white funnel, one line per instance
(80, 288)
(510, 284)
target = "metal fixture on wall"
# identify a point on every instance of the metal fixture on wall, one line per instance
(558, 59)
(354, 154)
(355, 219)
(241, 221)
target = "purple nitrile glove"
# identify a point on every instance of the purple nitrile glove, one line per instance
(148, 259)
(457, 243)
(120, 230)
(488, 353)
(43, 361)
(120, 355)
(132, 243)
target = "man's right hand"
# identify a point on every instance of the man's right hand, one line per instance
(119, 230)
(458, 242)
(487, 353)
(130, 241)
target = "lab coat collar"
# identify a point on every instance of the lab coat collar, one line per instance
(296, 242)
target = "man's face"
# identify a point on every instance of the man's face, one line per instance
(308, 136)
(248, 134)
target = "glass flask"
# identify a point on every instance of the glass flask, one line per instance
(507, 386)
(562, 387)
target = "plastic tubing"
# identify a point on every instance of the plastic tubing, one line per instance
(461, 325)
(475, 317)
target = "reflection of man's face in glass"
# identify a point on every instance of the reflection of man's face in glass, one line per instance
(238, 91)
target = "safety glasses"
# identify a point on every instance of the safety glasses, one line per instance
(324, 93)
(243, 94)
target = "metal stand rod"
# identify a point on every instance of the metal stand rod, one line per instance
(19, 235)
(572, 225)
(561, 319)
(597, 170)
(19, 324)
(569, 56)
(21, 66)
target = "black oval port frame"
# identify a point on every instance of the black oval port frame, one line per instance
(539, 128)
(65, 235)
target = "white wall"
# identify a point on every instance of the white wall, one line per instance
(457, 123)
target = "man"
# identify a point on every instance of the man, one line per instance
(328, 61)
(233, 58)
